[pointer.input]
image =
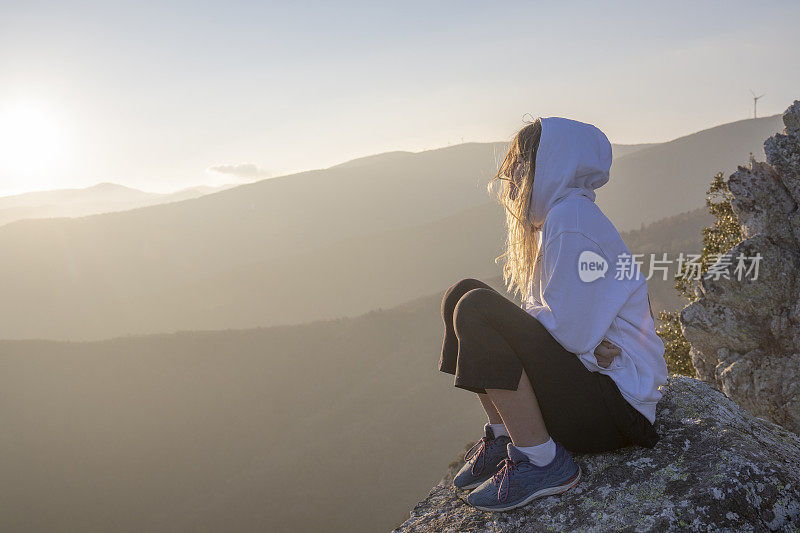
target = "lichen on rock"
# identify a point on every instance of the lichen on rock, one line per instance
(716, 468)
(745, 330)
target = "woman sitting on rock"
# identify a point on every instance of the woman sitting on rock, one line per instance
(579, 365)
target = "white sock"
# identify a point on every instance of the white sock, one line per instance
(498, 429)
(541, 454)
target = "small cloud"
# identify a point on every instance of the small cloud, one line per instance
(241, 170)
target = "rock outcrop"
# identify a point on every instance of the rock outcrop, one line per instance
(745, 330)
(716, 468)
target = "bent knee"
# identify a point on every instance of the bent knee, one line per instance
(474, 300)
(456, 291)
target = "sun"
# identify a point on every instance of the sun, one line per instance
(31, 140)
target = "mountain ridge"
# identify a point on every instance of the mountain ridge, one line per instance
(183, 265)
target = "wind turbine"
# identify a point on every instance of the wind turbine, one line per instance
(755, 103)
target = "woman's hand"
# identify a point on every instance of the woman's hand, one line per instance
(605, 352)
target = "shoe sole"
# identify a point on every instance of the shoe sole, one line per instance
(550, 491)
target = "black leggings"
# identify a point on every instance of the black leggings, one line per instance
(488, 342)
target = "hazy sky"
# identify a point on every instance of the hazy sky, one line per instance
(152, 94)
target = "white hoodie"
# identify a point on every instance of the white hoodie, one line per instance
(572, 161)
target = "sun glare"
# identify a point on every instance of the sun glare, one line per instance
(30, 140)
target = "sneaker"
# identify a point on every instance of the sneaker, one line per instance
(519, 481)
(482, 460)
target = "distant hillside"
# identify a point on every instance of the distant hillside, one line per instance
(320, 244)
(673, 235)
(100, 198)
(329, 426)
(426, 257)
(228, 430)
(669, 178)
(206, 422)
(619, 150)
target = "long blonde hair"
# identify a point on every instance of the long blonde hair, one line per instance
(521, 247)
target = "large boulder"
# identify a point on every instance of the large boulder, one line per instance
(745, 330)
(716, 468)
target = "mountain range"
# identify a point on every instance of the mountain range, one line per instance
(333, 424)
(99, 198)
(370, 233)
(329, 425)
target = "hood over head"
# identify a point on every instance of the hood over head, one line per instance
(573, 158)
